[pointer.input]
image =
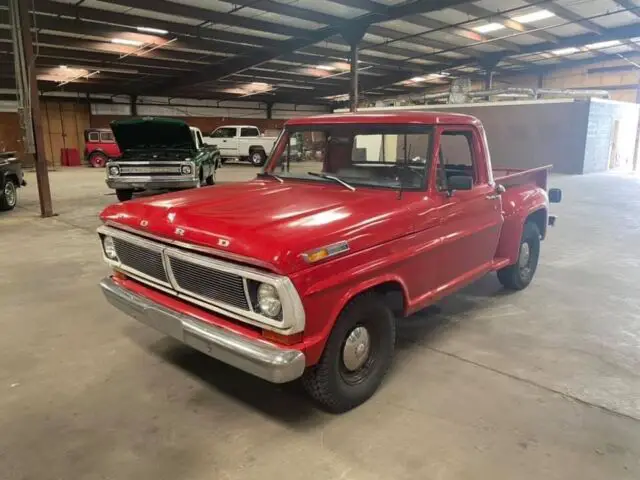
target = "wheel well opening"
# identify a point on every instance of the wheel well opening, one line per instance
(392, 294)
(539, 217)
(14, 178)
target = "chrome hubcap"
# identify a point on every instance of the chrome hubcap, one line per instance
(356, 349)
(10, 194)
(257, 158)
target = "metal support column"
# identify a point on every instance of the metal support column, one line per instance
(353, 91)
(134, 105)
(29, 102)
(488, 80)
(269, 110)
(353, 37)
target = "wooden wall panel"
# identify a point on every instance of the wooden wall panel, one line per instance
(63, 127)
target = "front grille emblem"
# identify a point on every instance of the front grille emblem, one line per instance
(179, 231)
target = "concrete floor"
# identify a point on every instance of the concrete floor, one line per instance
(539, 384)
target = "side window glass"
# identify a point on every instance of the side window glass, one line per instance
(249, 132)
(455, 157)
(94, 136)
(199, 140)
(106, 137)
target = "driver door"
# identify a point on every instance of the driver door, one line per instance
(471, 220)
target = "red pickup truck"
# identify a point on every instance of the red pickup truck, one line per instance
(303, 271)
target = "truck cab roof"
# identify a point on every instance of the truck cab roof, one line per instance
(404, 117)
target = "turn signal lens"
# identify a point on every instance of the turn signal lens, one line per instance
(119, 275)
(317, 255)
(282, 339)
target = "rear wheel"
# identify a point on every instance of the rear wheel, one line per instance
(98, 160)
(356, 357)
(257, 158)
(124, 195)
(8, 195)
(519, 275)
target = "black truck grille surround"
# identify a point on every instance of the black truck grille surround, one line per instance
(142, 259)
(190, 278)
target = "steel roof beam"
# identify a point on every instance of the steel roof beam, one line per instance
(238, 64)
(616, 33)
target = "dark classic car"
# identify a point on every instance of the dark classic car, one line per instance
(160, 154)
(10, 180)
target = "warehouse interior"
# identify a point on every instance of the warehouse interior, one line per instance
(485, 383)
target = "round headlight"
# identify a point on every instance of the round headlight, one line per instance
(114, 171)
(268, 300)
(109, 248)
(186, 169)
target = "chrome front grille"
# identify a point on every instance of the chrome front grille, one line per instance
(141, 259)
(150, 170)
(208, 284)
(211, 283)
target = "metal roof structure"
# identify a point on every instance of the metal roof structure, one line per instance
(295, 50)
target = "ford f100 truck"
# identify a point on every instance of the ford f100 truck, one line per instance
(304, 271)
(160, 153)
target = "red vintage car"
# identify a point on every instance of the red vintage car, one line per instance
(304, 271)
(100, 147)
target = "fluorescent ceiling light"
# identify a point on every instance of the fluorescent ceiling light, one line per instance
(124, 41)
(489, 27)
(610, 43)
(534, 16)
(565, 51)
(418, 79)
(328, 68)
(159, 31)
(259, 84)
(64, 67)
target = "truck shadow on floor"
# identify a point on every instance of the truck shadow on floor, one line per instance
(288, 403)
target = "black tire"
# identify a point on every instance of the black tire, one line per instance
(519, 275)
(257, 157)
(124, 195)
(211, 179)
(8, 195)
(330, 383)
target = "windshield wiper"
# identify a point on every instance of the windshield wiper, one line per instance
(331, 177)
(270, 175)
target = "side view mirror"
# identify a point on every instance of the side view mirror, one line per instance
(555, 195)
(459, 182)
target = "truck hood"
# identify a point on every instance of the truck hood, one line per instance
(152, 133)
(267, 223)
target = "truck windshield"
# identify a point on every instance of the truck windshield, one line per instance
(391, 156)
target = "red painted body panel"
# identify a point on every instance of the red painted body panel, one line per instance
(427, 243)
(110, 149)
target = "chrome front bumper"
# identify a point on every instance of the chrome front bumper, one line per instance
(151, 183)
(257, 357)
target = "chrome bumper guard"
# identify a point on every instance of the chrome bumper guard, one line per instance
(152, 183)
(257, 357)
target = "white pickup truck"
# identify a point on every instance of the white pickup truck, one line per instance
(241, 142)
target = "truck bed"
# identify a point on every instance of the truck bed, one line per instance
(510, 177)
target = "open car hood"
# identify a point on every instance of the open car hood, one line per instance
(152, 133)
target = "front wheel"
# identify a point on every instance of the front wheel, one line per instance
(257, 158)
(356, 357)
(98, 160)
(519, 275)
(8, 195)
(124, 195)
